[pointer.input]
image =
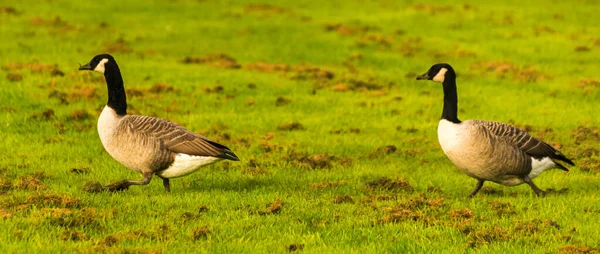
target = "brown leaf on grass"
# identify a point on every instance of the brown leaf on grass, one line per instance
(14, 77)
(47, 114)
(505, 68)
(9, 10)
(341, 199)
(487, 236)
(461, 214)
(118, 46)
(265, 8)
(382, 151)
(291, 126)
(317, 161)
(51, 200)
(219, 60)
(327, 184)
(273, 208)
(200, 233)
(577, 249)
(398, 184)
(73, 235)
(282, 101)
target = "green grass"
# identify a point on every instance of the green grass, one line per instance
(531, 63)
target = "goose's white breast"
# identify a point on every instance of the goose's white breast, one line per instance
(107, 125)
(449, 136)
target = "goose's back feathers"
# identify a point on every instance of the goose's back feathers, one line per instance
(521, 139)
(175, 138)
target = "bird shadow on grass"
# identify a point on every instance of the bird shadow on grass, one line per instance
(236, 185)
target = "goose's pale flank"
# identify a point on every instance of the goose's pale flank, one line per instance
(489, 151)
(149, 145)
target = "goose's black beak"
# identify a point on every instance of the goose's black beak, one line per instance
(424, 76)
(85, 67)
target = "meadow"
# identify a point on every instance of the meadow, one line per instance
(337, 140)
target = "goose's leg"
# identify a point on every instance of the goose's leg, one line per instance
(167, 184)
(537, 190)
(477, 188)
(124, 184)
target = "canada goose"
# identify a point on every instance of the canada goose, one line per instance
(149, 145)
(489, 151)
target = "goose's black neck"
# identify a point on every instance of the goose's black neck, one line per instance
(450, 111)
(116, 92)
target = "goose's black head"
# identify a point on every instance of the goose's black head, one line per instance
(99, 63)
(438, 73)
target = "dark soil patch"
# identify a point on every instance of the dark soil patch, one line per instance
(93, 187)
(578, 249)
(434, 189)
(214, 89)
(9, 10)
(200, 233)
(291, 126)
(34, 67)
(51, 200)
(504, 69)
(487, 236)
(273, 208)
(302, 72)
(79, 115)
(69, 218)
(342, 199)
(61, 96)
(85, 93)
(109, 240)
(217, 60)
(281, 101)
(432, 8)
(589, 165)
(79, 170)
(161, 88)
(118, 46)
(502, 208)
(401, 214)
(46, 115)
(588, 85)
(203, 209)
(264, 8)
(461, 214)
(382, 151)
(535, 226)
(29, 182)
(327, 184)
(253, 168)
(342, 131)
(585, 133)
(295, 247)
(384, 183)
(317, 161)
(350, 30)
(73, 235)
(14, 77)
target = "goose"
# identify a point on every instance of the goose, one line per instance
(149, 145)
(489, 151)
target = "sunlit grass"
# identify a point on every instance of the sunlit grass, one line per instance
(345, 71)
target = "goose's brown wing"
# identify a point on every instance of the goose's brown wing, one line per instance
(176, 138)
(522, 140)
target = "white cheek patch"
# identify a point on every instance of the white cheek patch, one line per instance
(439, 77)
(100, 66)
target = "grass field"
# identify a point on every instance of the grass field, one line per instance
(337, 139)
